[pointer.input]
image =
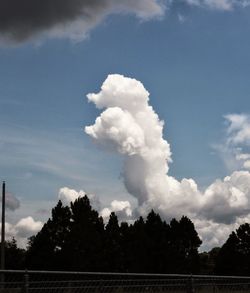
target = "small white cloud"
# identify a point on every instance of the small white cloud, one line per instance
(239, 129)
(27, 227)
(246, 164)
(181, 18)
(122, 209)
(243, 157)
(217, 4)
(22, 230)
(235, 150)
(67, 195)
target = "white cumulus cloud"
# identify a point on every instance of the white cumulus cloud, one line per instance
(129, 126)
(22, 230)
(122, 209)
(68, 195)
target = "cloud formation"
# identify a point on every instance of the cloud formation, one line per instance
(122, 209)
(24, 228)
(235, 149)
(238, 129)
(21, 20)
(12, 203)
(68, 195)
(219, 4)
(129, 126)
(74, 19)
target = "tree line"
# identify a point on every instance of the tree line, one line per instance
(76, 238)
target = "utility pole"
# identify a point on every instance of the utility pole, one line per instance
(3, 229)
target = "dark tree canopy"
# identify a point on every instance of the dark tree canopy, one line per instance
(75, 238)
(14, 256)
(208, 261)
(45, 249)
(234, 256)
(112, 245)
(84, 242)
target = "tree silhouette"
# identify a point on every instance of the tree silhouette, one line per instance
(137, 249)
(14, 256)
(234, 256)
(112, 245)
(45, 249)
(157, 242)
(83, 249)
(208, 261)
(75, 238)
(184, 246)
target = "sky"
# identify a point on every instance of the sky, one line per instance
(184, 62)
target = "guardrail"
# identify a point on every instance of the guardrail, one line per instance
(13, 281)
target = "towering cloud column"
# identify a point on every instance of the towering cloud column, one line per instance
(129, 126)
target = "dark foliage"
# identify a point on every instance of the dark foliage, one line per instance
(208, 261)
(75, 238)
(45, 250)
(234, 256)
(83, 249)
(14, 256)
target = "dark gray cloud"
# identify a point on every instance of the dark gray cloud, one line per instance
(23, 19)
(20, 20)
(11, 202)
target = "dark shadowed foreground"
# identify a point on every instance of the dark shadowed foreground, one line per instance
(75, 238)
(42, 281)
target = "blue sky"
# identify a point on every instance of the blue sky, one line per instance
(194, 60)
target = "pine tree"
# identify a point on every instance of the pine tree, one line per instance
(112, 246)
(14, 256)
(83, 249)
(45, 249)
(234, 256)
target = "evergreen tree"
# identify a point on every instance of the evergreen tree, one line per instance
(83, 249)
(184, 243)
(157, 243)
(112, 247)
(14, 256)
(191, 243)
(45, 249)
(234, 256)
(75, 239)
(137, 251)
(208, 261)
(125, 233)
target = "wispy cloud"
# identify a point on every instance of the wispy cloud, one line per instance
(219, 4)
(47, 152)
(181, 18)
(235, 147)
